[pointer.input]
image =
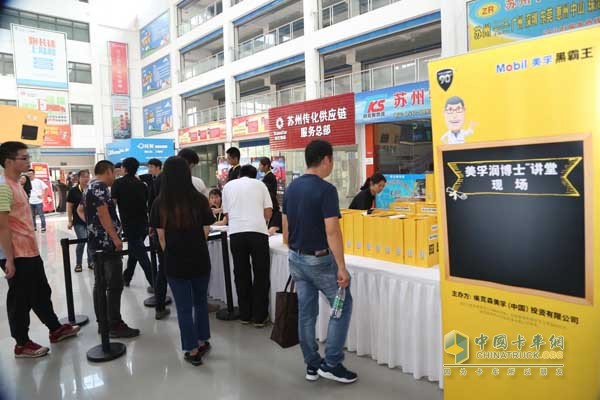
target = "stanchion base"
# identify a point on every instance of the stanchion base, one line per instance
(225, 315)
(151, 301)
(80, 320)
(97, 354)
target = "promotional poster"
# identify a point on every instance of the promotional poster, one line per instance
(42, 172)
(155, 35)
(156, 76)
(121, 117)
(56, 106)
(517, 150)
(158, 117)
(399, 103)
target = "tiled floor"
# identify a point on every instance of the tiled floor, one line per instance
(244, 363)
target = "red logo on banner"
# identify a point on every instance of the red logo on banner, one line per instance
(376, 106)
(118, 62)
(296, 125)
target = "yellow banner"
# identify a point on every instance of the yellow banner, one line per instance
(516, 136)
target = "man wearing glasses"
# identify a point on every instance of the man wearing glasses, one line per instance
(28, 287)
(454, 114)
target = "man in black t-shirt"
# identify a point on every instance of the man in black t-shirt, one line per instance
(75, 222)
(233, 158)
(131, 196)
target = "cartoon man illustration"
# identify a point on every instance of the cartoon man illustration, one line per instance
(454, 114)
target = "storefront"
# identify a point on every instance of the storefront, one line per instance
(208, 141)
(251, 135)
(141, 149)
(293, 126)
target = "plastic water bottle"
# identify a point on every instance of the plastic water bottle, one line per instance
(338, 303)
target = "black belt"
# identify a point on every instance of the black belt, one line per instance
(316, 253)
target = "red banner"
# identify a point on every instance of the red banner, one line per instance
(57, 135)
(295, 125)
(251, 125)
(203, 133)
(119, 68)
(42, 172)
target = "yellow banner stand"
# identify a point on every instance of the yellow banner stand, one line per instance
(516, 137)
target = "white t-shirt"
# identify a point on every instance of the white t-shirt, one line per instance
(456, 138)
(245, 200)
(38, 188)
(200, 186)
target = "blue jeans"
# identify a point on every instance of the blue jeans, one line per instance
(81, 233)
(38, 209)
(191, 301)
(313, 275)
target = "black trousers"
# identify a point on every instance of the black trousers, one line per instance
(29, 290)
(160, 282)
(113, 276)
(253, 296)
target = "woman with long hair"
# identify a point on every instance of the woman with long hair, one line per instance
(26, 183)
(365, 198)
(181, 216)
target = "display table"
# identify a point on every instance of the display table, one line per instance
(396, 317)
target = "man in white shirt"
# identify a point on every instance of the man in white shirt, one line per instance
(192, 159)
(36, 199)
(247, 204)
(454, 115)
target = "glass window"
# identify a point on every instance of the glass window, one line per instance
(285, 33)
(80, 73)
(82, 114)
(47, 22)
(6, 64)
(404, 148)
(75, 30)
(298, 28)
(6, 102)
(405, 73)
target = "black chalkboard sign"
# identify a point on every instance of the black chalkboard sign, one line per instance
(518, 215)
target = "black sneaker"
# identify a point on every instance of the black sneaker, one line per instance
(195, 360)
(338, 373)
(43, 230)
(121, 330)
(262, 324)
(91, 266)
(205, 348)
(312, 374)
(150, 290)
(162, 314)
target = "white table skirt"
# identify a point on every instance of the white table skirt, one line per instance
(396, 316)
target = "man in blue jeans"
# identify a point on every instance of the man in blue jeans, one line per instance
(75, 222)
(36, 199)
(311, 222)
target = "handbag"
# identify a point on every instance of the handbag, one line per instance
(285, 327)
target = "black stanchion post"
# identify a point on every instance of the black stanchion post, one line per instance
(72, 318)
(151, 301)
(106, 351)
(230, 313)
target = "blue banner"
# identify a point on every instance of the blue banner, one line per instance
(158, 117)
(400, 188)
(398, 103)
(493, 22)
(141, 149)
(156, 76)
(155, 35)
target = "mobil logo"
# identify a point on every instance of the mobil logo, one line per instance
(511, 67)
(376, 106)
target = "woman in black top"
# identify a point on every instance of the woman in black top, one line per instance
(181, 217)
(365, 198)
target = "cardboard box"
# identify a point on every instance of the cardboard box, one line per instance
(371, 224)
(393, 242)
(381, 237)
(348, 232)
(404, 207)
(427, 241)
(427, 209)
(357, 233)
(410, 241)
(430, 192)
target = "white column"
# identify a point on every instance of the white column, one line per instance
(454, 27)
(230, 85)
(312, 62)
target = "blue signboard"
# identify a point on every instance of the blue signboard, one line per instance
(398, 103)
(155, 35)
(158, 117)
(141, 149)
(156, 76)
(400, 187)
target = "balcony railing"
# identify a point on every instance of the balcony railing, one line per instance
(204, 116)
(377, 78)
(235, 2)
(208, 64)
(347, 9)
(275, 37)
(262, 103)
(209, 12)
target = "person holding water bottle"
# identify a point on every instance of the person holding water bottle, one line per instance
(311, 224)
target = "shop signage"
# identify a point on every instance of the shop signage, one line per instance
(518, 255)
(156, 76)
(141, 149)
(119, 68)
(158, 117)
(155, 35)
(214, 131)
(399, 103)
(295, 125)
(498, 22)
(250, 125)
(121, 117)
(42, 171)
(56, 106)
(40, 57)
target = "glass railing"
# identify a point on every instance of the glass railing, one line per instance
(347, 9)
(377, 78)
(235, 2)
(275, 37)
(204, 116)
(261, 103)
(209, 12)
(208, 64)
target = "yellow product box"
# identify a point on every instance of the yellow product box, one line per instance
(348, 232)
(410, 241)
(405, 207)
(357, 233)
(380, 237)
(393, 239)
(427, 209)
(430, 188)
(369, 234)
(427, 242)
